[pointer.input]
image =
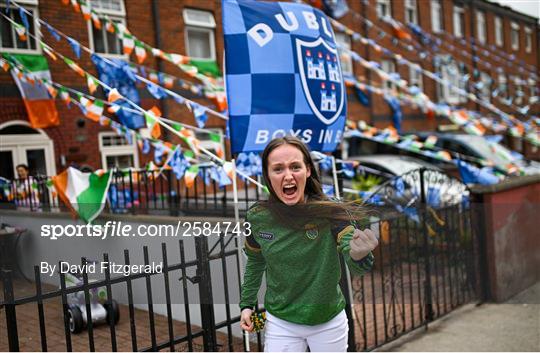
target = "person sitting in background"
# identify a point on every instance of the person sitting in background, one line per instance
(26, 190)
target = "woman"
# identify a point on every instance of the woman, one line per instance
(27, 195)
(294, 239)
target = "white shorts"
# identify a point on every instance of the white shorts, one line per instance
(285, 336)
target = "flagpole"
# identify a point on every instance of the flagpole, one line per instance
(334, 174)
(239, 246)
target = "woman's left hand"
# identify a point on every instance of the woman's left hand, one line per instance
(362, 243)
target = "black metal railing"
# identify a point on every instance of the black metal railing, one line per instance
(139, 192)
(188, 280)
(424, 269)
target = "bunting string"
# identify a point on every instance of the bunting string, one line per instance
(159, 89)
(94, 111)
(401, 60)
(398, 28)
(488, 52)
(532, 136)
(131, 43)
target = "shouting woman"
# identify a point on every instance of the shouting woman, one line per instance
(297, 237)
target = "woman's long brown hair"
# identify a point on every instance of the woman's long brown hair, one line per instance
(318, 206)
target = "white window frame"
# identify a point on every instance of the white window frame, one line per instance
(388, 66)
(109, 12)
(344, 40)
(502, 82)
(199, 26)
(518, 84)
(112, 151)
(450, 72)
(528, 39)
(20, 143)
(30, 5)
(416, 76)
(411, 12)
(458, 15)
(481, 26)
(514, 28)
(383, 4)
(116, 16)
(499, 37)
(485, 91)
(436, 13)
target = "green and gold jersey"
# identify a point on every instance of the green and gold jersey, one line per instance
(302, 267)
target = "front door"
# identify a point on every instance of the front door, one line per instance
(21, 144)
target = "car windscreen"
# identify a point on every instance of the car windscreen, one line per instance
(491, 151)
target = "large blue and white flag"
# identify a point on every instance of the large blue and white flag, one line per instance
(283, 75)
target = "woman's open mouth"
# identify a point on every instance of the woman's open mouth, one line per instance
(289, 190)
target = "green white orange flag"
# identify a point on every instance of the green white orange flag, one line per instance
(73, 66)
(140, 51)
(39, 104)
(92, 83)
(128, 43)
(152, 124)
(84, 193)
(93, 109)
(190, 175)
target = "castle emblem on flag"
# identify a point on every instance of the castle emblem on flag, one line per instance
(320, 74)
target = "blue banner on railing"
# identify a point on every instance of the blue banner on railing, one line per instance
(283, 75)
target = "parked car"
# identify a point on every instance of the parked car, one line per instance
(398, 185)
(393, 165)
(480, 147)
(359, 146)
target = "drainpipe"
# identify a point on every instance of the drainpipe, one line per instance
(367, 56)
(473, 35)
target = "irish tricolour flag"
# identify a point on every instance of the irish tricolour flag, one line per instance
(84, 193)
(40, 106)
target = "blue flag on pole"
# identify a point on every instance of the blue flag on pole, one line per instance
(283, 75)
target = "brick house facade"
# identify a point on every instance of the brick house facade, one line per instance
(162, 24)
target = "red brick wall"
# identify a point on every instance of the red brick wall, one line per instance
(80, 145)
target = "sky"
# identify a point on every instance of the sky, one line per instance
(528, 7)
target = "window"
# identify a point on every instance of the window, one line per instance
(518, 95)
(436, 16)
(484, 89)
(9, 39)
(451, 75)
(499, 39)
(102, 41)
(199, 34)
(503, 88)
(384, 8)
(389, 67)
(411, 15)
(481, 26)
(532, 88)
(117, 152)
(110, 7)
(344, 41)
(514, 36)
(528, 39)
(459, 21)
(415, 76)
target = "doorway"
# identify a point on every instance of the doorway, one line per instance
(21, 144)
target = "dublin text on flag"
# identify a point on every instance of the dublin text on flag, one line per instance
(283, 75)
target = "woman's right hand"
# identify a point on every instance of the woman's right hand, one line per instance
(245, 320)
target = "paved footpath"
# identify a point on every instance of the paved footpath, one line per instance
(511, 326)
